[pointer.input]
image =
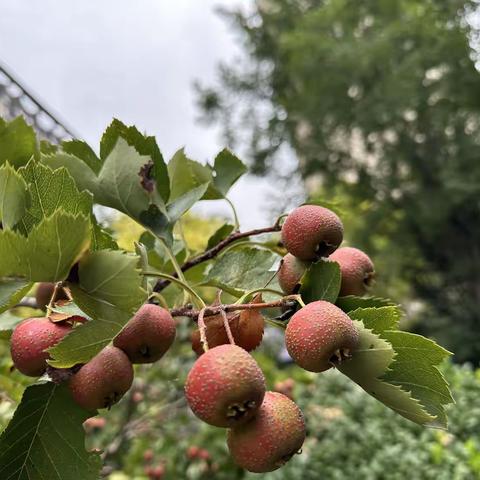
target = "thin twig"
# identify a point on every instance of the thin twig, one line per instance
(214, 251)
(187, 311)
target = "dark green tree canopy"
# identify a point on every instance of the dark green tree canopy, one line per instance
(381, 102)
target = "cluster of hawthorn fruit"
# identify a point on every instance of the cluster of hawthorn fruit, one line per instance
(225, 386)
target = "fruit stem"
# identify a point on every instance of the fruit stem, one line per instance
(299, 299)
(52, 298)
(226, 324)
(203, 329)
(176, 266)
(214, 251)
(242, 299)
(216, 309)
(196, 298)
(235, 216)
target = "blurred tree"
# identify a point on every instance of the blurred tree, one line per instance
(381, 102)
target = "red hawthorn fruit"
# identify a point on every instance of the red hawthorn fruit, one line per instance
(311, 232)
(270, 439)
(29, 341)
(356, 268)
(320, 335)
(225, 386)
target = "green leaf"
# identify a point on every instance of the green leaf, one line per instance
(14, 196)
(321, 282)
(45, 439)
(18, 142)
(368, 364)
(228, 169)
(82, 150)
(241, 270)
(157, 256)
(8, 322)
(51, 190)
(351, 302)
(12, 290)
(378, 319)
(144, 145)
(109, 290)
(414, 369)
(223, 232)
(119, 181)
(184, 202)
(49, 251)
(186, 174)
(101, 239)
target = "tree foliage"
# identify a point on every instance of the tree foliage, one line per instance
(380, 102)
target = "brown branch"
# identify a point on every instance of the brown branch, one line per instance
(187, 311)
(214, 251)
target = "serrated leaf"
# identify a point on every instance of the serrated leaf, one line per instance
(12, 290)
(101, 239)
(321, 282)
(14, 197)
(184, 202)
(186, 174)
(414, 369)
(223, 232)
(366, 368)
(119, 181)
(8, 322)
(109, 290)
(82, 150)
(49, 251)
(118, 184)
(351, 302)
(227, 169)
(144, 145)
(238, 271)
(18, 142)
(378, 319)
(51, 190)
(45, 439)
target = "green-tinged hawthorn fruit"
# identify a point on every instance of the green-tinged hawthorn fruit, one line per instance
(44, 294)
(320, 335)
(247, 329)
(290, 273)
(148, 335)
(29, 341)
(356, 268)
(102, 381)
(311, 232)
(225, 386)
(269, 440)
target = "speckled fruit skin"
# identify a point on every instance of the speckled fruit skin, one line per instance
(102, 381)
(148, 335)
(247, 329)
(29, 341)
(225, 386)
(316, 332)
(268, 441)
(290, 273)
(311, 232)
(44, 294)
(357, 270)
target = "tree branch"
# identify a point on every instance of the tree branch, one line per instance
(214, 251)
(188, 311)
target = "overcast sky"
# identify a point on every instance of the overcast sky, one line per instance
(90, 61)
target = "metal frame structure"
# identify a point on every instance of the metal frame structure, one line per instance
(16, 100)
